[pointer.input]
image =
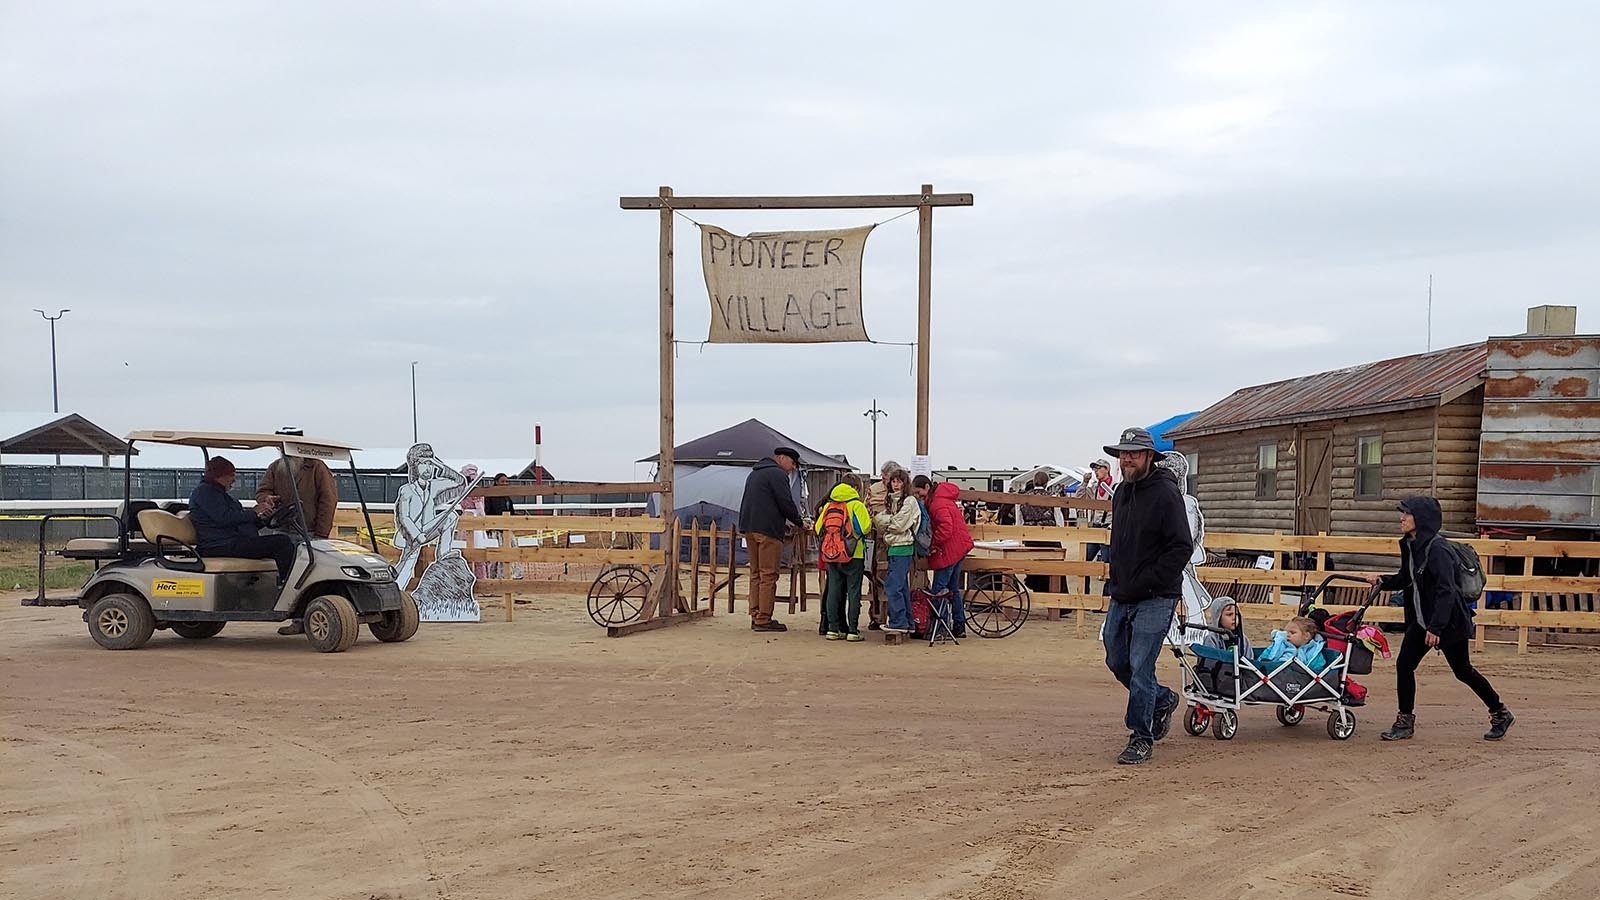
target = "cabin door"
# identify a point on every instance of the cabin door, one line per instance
(1313, 482)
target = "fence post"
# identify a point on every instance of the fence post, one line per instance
(1277, 587)
(1525, 598)
(511, 606)
(694, 565)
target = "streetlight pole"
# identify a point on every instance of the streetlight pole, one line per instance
(55, 392)
(414, 402)
(875, 414)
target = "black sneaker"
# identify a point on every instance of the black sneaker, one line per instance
(874, 626)
(1500, 722)
(1138, 751)
(1162, 723)
(1404, 727)
(773, 625)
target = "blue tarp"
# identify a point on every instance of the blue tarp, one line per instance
(1160, 429)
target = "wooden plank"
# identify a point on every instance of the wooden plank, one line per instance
(666, 621)
(536, 524)
(571, 555)
(510, 604)
(1524, 600)
(568, 489)
(667, 589)
(925, 309)
(1040, 500)
(824, 201)
(1065, 535)
(694, 565)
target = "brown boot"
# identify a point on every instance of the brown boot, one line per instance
(295, 626)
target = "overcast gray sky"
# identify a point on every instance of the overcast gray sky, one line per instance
(260, 213)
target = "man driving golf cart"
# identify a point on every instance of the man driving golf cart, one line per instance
(224, 528)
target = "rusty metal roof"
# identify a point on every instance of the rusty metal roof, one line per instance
(1406, 382)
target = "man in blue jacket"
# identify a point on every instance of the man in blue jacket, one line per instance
(1150, 545)
(224, 528)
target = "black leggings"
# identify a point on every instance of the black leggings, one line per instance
(1458, 655)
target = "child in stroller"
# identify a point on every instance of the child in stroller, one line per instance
(1298, 639)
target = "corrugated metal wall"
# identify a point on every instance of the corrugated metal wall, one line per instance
(1540, 457)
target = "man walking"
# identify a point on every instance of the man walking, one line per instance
(767, 515)
(1150, 545)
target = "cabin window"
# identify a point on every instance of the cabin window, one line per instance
(1267, 472)
(1194, 473)
(1369, 466)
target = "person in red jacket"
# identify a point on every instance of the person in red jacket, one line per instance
(951, 543)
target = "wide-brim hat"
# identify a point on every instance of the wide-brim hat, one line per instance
(1133, 439)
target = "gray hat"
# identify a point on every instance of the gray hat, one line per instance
(1133, 439)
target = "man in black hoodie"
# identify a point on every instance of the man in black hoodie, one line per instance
(1150, 545)
(1436, 617)
(765, 514)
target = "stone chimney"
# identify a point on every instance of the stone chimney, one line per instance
(1552, 321)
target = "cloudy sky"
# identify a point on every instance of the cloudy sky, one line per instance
(261, 213)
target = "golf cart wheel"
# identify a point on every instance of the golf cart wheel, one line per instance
(1341, 725)
(1194, 722)
(331, 624)
(1224, 724)
(997, 604)
(196, 631)
(399, 625)
(1291, 715)
(121, 622)
(618, 595)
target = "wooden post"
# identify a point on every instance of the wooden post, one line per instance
(694, 565)
(924, 312)
(1277, 589)
(733, 567)
(511, 606)
(667, 599)
(1525, 598)
(711, 594)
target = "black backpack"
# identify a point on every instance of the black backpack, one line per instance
(1465, 564)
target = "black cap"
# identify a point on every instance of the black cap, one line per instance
(1133, 439)
(787, 451)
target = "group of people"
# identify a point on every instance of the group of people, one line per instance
(1156, 532)
(903, 517)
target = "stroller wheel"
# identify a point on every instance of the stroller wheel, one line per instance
(1291, 715)
(1224, 724)
(1195, 721)
(1341, 725)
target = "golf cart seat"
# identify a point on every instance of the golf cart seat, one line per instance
(88, 548)
(169, 532)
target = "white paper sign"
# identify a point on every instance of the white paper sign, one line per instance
(921, 466)
(1264, 562)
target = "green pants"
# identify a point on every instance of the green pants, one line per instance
(844, 596)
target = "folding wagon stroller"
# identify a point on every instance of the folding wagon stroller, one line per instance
(1219, 681)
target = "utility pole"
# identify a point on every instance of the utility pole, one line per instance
(1430, 312)
(414, 437)
(875, 414)
(55, 390)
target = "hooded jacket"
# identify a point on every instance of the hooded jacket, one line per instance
(1427, 574)
(898, 528)
(1280, 651)
(218, 518)
(1150, 538)
(860, 518)
(952, 541)
(768, 505)
(1214, 619)
(313, 484)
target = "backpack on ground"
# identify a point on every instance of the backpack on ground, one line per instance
(923, 540)
(839, 538)
(1468, 570)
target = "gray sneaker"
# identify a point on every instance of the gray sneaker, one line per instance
(1162, 723)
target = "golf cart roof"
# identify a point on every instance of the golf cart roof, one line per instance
(290, 444)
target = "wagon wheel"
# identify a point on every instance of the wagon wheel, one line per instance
(618, 595)
(997, 604)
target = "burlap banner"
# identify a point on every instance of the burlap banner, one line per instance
(795, 287)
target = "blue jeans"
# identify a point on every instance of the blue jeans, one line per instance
(897, 584)
(949, 578)
(1134, 635)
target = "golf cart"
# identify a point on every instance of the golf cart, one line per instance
(152, 576)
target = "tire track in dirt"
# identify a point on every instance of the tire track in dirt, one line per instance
(120, 830)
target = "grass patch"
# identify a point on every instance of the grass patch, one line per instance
(70, 575)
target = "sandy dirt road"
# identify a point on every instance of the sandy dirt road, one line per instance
(542, 760)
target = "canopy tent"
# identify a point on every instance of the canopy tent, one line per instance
(1160, 429)
(747, 443)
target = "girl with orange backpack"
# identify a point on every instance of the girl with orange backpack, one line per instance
(842, 525)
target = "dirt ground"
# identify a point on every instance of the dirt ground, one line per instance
(542, 759)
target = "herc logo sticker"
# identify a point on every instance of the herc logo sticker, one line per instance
(179, 587)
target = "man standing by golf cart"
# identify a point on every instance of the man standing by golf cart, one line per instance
(224, 528)
(319, 495)
(1150, 545)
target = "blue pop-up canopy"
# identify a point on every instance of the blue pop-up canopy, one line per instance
(1160, 429)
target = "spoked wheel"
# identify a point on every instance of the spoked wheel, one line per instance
(618, 595)
(1196, 720)
(1291, 715)
(997, 604)
(1341, 725)
(1224, 724)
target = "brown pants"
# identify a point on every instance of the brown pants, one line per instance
(764, 553)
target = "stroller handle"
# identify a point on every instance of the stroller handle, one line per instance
(1311, 598)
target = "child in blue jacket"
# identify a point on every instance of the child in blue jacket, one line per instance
(1300, 639)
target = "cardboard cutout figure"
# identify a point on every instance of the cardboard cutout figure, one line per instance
(426, 511)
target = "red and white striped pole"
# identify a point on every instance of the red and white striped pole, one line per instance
(538, 443)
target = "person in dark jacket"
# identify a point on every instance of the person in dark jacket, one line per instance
(1436, 617)
(1150, 545)
(224, 528)
(767, 515)
(499, 506)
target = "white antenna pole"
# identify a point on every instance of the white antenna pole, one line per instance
(1430, 312)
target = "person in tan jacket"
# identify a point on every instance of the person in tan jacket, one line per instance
(319, 495)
